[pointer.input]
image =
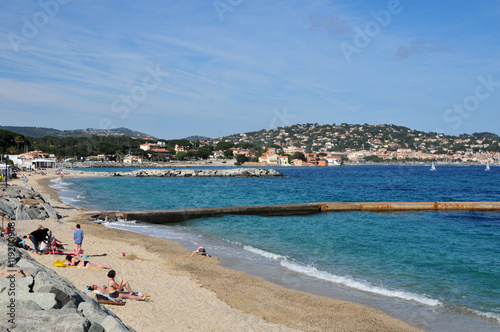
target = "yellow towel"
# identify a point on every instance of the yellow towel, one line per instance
(59, 263)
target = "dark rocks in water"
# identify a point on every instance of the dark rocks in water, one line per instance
(236, 172)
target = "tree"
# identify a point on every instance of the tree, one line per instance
(224, 145)
(240, 159)
(18, 139)
(299, 155)
(181, 155)
(228, 153)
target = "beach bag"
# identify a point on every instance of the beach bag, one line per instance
(59, 263)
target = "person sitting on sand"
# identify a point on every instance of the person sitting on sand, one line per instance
(74, 261)
(119, 287)
(115, 290)
(201, 251)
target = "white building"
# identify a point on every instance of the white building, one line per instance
(43, 163)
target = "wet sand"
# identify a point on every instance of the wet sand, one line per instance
(193, 293)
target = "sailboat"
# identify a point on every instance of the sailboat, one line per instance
(433, 168)
(487, 166)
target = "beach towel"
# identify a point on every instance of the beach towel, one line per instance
(59, 263)
(104, 298)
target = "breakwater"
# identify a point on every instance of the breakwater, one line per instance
(177, 215)
(234, 172)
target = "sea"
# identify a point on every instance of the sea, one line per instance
(438, 271)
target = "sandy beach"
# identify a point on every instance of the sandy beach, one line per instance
(192, 293)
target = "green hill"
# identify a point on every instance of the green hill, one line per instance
(89, 132)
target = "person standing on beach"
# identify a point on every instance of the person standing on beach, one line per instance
(78, 236)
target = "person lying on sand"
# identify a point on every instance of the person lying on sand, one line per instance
(74, 261)
(115, 295)
(201, 251)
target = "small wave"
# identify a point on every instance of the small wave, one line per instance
(58, 184)
(490, 315)
(69, 199)
(126, 224)
(356, 284)
(263, 253)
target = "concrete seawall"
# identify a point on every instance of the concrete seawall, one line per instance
(178, 215)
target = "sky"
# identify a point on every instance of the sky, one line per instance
(174, 69)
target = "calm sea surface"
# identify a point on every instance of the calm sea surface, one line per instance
(437, 270)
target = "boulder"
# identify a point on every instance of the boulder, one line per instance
(51, 212)
(7, 210)
(21, 214)
(48, 320)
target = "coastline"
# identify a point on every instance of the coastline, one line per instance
(194, 293)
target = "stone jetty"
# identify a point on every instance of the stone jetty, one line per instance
(232, 172)
(35, 298)
(24, 203)
(178, 215)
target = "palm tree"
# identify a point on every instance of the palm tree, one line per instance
(18, 140)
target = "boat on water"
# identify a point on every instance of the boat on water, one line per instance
(487, 166)
(433, 168)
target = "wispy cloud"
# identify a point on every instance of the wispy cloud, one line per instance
(418, 47)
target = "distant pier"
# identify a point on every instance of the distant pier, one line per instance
(178, 215)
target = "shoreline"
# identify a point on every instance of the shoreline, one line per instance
(235, 293)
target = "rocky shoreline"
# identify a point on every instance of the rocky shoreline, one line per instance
(24, 203)
(36, 298)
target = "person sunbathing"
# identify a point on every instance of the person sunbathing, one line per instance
(74, 261)
(115, 295)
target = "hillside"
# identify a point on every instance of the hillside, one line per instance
(355, 137)
(89, 132)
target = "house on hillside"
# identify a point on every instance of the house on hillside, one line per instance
(129, 159)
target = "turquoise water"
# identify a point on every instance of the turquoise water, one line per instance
(434, 260)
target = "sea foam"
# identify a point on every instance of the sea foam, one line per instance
(357, 284)
(361, 285)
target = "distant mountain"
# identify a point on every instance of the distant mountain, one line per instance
(89, 132)
(196, 138)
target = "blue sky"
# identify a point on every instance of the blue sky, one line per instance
(179, 68)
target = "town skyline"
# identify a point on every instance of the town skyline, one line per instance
(310, 142)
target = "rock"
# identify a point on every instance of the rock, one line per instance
(30, 305)
(7, 210)
(21, 214)
(94, 313)
(51, 212)
(96, 328)
(111, 323)
(36, 213)
(49, 320)
(12, 202)
(47, 281)
(44, 300)
(20, 284)
(199, 173)
(54, 305)
(28, 266)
